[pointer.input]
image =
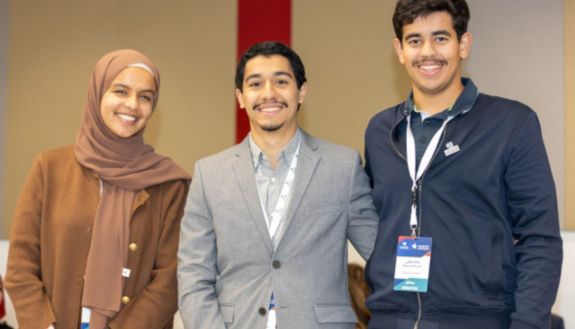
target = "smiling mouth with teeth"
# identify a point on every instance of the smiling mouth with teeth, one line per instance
(430, 68)
(127, 118)
(429, 65)
(270, 108)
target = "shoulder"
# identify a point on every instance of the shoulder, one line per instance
(389, 112)
(58, 161)
(503, 107)
(505, 117)
(223, 157)
(385, 119)
(58, 155)
(58, 170)
(333, 152)
(333, 148)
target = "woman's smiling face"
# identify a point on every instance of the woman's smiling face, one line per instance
(127, 104)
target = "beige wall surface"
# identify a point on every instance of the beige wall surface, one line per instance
(4, 25)
(569, 12)
(54, 45)
(346, 47)
(352, 69)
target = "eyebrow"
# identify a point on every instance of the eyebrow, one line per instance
(434, 33)
(412, 35)
(127, 87)
(441, 32)
(275, 74)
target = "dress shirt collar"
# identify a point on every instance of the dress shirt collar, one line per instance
(285, 155)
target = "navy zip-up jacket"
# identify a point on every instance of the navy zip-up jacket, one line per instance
(490, 208)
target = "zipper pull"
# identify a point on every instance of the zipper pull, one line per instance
(414, 196)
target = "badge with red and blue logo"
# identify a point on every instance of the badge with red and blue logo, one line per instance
(412, 264)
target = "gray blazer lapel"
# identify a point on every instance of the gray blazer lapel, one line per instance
(307, 163)
(244, 172)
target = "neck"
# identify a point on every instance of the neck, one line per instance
(272, 142)
(435, 103)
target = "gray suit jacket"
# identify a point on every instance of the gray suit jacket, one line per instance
(227, 268)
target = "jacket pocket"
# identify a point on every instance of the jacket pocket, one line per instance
(335, 314)
(227, 313)
(494, 274)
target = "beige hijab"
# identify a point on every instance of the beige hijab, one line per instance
(125, 166)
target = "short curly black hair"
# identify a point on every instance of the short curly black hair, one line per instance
(270, 48)
(406, 11)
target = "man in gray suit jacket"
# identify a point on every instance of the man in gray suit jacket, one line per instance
(264, 236)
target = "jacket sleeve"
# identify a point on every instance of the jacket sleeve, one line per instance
(532, 206)
(363, 218)
(197, 257)
(155, 306)
(24, 273)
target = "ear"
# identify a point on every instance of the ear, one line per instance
(399, 50)
(302, 92)
(465, 45)
(240, 98)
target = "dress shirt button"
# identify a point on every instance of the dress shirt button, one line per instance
(262, 311)
(423, 139)
(125, 300)
(133, 246)
(276, 264)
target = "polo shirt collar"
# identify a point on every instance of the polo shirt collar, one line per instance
(463, 104)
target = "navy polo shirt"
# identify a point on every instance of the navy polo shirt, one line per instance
(424, 129)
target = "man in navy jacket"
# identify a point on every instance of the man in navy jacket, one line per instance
(463, 177)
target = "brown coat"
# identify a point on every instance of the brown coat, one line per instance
(50, 239)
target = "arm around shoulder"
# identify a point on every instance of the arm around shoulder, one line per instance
(363, 219)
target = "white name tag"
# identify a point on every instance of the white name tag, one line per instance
(271, 324)
(412, 264)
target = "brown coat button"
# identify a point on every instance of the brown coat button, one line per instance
(133, 246)
(262, 311)
(125, 300)
(276, 264)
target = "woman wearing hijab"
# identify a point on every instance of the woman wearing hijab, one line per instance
(95, 232)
